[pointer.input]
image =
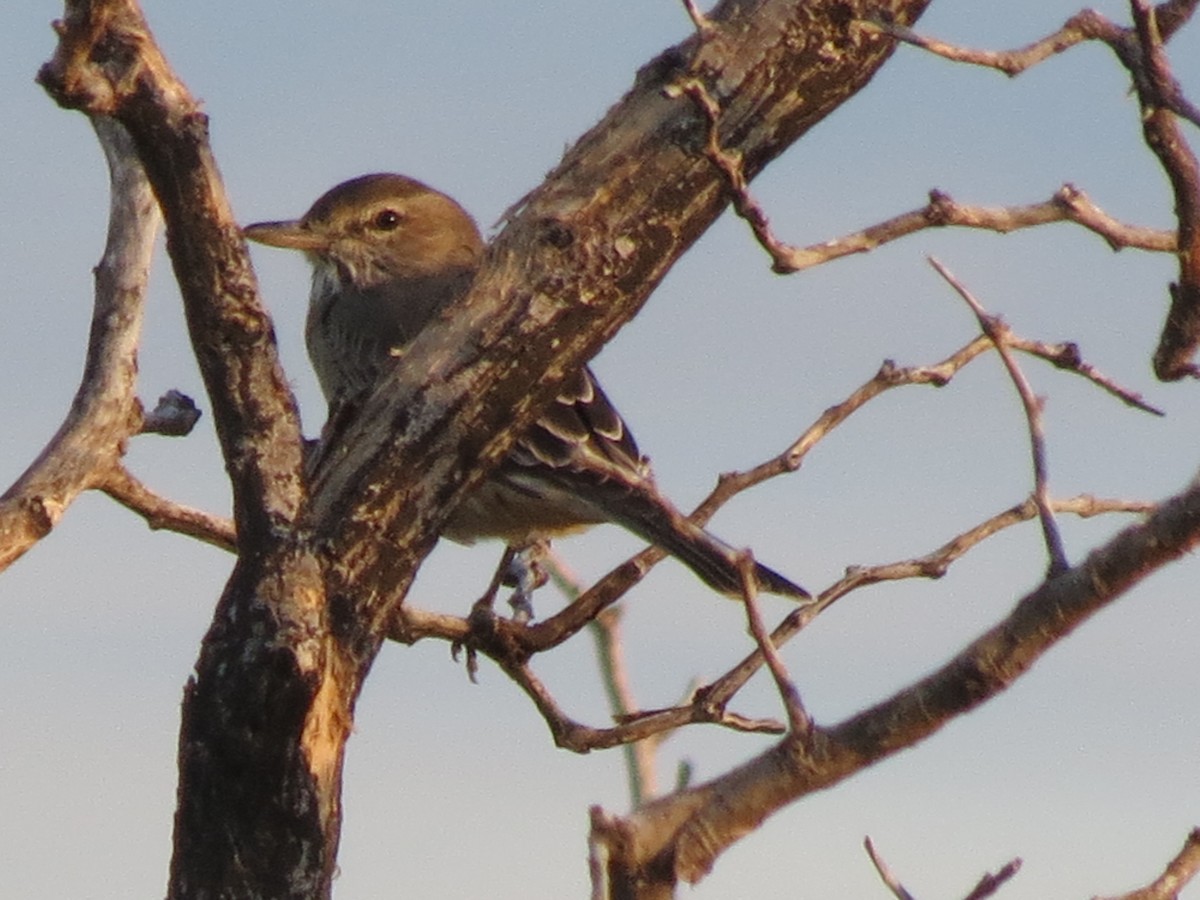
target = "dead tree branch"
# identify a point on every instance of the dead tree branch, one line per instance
(798, 718)
(998, 333)
(1158, 95)
(889, 878)
(1069, 204)
(1086, 25)
(991, 882)
(681, 835)
(507, 644)
(162, 513)
(1161, 100)
(105, 411)
(932, 565)
(1179, 871)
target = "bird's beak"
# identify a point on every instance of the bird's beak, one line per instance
(292, 235)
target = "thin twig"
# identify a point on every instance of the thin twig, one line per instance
(640, 756)
(730, 166)
(932, 565)
(1081, 27)
(899, 891)
(1064, 356)
(164, 514)
(998, 332)
(993, 881)
(1069, 204)
(708, 704)
(799, 722)
(1086, 25)
(1067, 356)
(700, 20)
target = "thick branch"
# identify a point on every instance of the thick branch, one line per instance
(105, 412)
(281, 667)
(574, 262)
(108, 64)
(267, 714)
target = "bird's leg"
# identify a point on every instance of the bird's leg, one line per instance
(527, 573)
(503, 576)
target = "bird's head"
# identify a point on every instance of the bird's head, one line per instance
(376, 228)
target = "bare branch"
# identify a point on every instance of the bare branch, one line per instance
(509, 645)
(997, 332)
(688, 830)
(799, 721)
(1064, 356)
(885, 873)
(640, 756)
(1156, 87)
(1161, 99)
(162, 513)
(1067, 356)
(104, 412)
(579, 738)
(1180, 870)
(1083, 26)
(932, 565)
(699, 19)
(1069, 204)
(993, 881)
(1086, 25)
(107, 63)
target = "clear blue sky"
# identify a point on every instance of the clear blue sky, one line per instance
(1087, 768)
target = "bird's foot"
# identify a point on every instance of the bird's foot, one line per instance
(526, 573)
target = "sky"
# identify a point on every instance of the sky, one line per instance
(1086, 768)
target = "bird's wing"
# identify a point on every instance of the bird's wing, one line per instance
(582, 432)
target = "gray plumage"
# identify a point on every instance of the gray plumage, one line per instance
(388, 254)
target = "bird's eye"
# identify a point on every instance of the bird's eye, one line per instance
(387, 220)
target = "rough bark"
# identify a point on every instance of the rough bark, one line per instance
(266, 717)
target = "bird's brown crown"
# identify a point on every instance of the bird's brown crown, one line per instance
(379, 227)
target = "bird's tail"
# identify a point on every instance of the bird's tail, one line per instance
(652, 518)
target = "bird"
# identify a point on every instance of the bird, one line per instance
(388, 254)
